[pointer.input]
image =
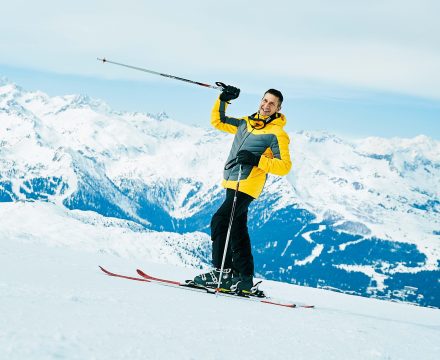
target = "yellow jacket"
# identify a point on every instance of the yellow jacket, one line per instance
(270, 142)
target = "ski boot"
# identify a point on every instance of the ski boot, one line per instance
(210, 279)
(244, 285)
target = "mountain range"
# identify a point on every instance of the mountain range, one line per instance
(358, 216)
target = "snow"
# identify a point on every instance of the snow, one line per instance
(374, 182)
(307, 237)
(309, 259)
(367, 270)
(287, 246)
(50, 224)
(57, 304)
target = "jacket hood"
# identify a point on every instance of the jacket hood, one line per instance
(280, 121)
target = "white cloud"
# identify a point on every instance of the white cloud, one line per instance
(385, 45)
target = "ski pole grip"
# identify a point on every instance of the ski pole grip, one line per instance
(223, 85)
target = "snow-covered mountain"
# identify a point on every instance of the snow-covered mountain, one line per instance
(357, 216)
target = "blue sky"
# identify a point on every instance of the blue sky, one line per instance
(350, 69)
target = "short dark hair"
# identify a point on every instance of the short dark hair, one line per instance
(276, 93)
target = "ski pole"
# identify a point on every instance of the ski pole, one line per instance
(228, 235)
(220, 86)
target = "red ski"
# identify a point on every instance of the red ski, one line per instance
(264, 300)
(151, 278)
(123, 276)
(188, 286)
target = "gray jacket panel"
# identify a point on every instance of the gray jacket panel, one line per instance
(244, 140)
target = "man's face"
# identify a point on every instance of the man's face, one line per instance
(270, 104)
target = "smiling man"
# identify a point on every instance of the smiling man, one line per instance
(260, 146)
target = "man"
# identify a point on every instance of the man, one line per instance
(260, 146)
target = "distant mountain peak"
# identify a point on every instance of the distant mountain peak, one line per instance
(9, 87)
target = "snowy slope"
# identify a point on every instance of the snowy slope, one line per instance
(361, 217)
(56, 303)
(48, 224)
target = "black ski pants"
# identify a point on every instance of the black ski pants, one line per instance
(239, 254)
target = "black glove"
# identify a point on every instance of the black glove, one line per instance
(245, 157)
(229, 93)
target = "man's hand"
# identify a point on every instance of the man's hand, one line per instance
(229, 93)
(245, 157)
